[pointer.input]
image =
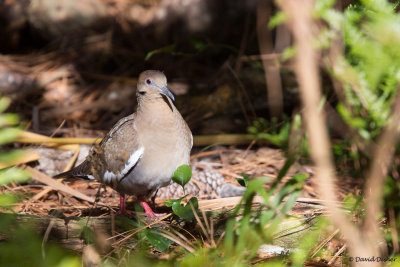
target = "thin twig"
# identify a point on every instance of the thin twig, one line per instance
(324, 242)
(340, 251)
(46, 237)
(393, 228)
(376, 176)
(304, 31)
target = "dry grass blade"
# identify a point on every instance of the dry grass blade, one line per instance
(181, 235)
(203, 140)
(43, 178)
(135, 231)
(206, 223)
(46, 237)
(199, 221)
(42, 193)
(207, 153)
(33, 138)
(323, 243)
(176, 239)
(73, 160)
(224, 203)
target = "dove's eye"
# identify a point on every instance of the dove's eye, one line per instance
(149, 81)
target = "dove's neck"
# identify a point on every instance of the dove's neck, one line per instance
(157, 112)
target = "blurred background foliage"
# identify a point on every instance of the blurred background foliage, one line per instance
(21, 245)
(210, 49)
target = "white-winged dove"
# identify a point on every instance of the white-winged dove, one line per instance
(142, 151)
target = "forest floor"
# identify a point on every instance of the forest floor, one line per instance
(213, 183)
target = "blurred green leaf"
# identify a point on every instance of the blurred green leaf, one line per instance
(70, 262)
(252, 129)
(277, 19)
(160, 242)
(8, 135)
(289, 53)
(289, 203)
(199, 44)
(165, 49)
(88, 234)
(8, 119)
(10, 156)
(4, 103)
(7, 199)
(13, 174)
(346, 115)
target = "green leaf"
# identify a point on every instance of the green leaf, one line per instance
(88, 234)
(266, 216)
(186, 212)
(254, 186)
(182, 175)
(199, 43)
(165, 49)
(243, 181)
(288, 163)
(290, 201)
(294, 184)
(171, 202)
(160, 242)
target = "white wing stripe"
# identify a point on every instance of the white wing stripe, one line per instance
(133, 159)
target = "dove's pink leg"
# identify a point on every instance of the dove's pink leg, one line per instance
(122, 209)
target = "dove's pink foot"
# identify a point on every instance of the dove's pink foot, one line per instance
(151, 216)
(149, 212)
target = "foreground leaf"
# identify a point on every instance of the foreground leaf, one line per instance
(182, 175)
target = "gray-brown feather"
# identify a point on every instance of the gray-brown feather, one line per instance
(111, 155)
(80, 171)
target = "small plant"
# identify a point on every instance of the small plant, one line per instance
(182, 176)
(274, 132)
